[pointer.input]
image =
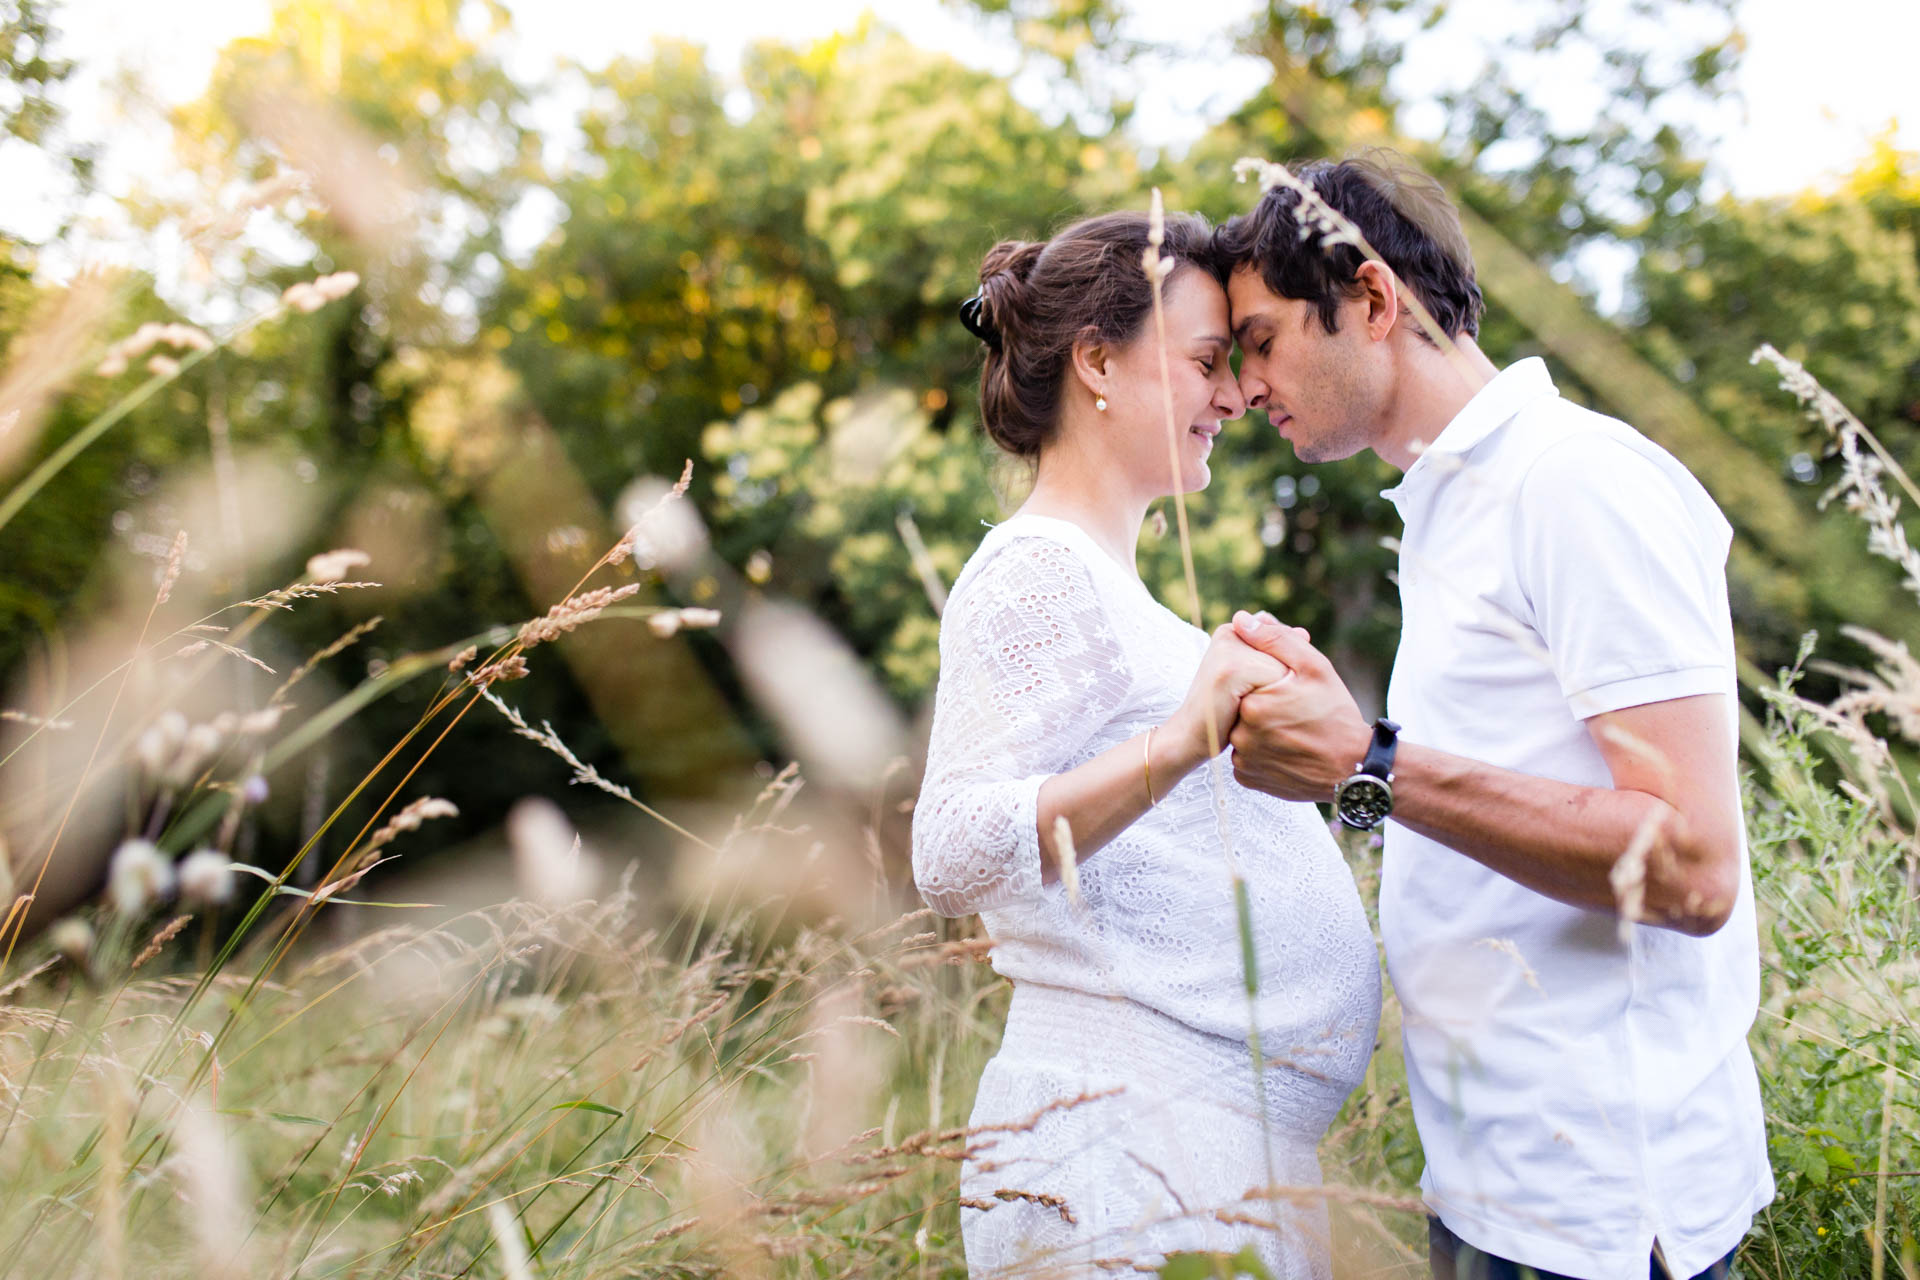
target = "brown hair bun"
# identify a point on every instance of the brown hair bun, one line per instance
(1085, 284)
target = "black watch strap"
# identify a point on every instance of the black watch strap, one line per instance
(1380, 752)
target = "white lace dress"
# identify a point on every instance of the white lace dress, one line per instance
(1051, 653)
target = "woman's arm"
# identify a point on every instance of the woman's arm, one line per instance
(1104, 796)
(1031, 669)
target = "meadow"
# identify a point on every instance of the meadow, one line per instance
(761, 1063)
(703, 1026)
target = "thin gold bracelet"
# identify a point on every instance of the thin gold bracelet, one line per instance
(1146, 763)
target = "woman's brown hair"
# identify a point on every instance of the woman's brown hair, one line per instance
(1038, 298)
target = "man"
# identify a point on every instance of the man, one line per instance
(1558, 758)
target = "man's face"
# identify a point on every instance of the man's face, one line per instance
(1325, 393)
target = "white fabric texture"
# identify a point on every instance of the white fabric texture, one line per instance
(1051, 653)
(1577, 1096)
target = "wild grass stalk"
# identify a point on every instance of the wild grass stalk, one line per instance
(723, 1080)
(1847, 924)
(1157, 271)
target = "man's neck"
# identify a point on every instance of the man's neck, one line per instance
(1434, 387)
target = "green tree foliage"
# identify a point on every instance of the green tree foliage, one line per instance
(705, 263)
(811, 253)
(1834, 281)
(745, 272)
(30, 112)
(414, 90)
(26, 36)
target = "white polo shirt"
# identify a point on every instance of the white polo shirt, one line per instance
(1577, 1096)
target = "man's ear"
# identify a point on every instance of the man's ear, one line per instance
(1090, 363)
(1380, 291)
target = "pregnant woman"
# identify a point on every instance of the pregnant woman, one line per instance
(1121, 1111)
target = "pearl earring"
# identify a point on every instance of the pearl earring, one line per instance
(1100, 403)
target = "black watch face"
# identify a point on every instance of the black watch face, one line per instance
(1364, 803)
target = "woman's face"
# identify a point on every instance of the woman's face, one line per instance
(1205, 393)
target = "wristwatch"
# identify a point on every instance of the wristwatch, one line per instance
(1364, 800)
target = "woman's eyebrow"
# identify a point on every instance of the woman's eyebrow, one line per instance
(1216, 340)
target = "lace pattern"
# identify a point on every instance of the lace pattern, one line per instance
(1051, 653)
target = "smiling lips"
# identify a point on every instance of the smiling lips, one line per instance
(1205, 430)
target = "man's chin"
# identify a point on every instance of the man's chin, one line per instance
(1316, 451)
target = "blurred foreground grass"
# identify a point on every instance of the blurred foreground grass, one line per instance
(758, 1064)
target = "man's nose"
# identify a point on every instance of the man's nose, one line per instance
(1229, 402)
(1253, 390)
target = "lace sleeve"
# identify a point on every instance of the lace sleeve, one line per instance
(1030, 669)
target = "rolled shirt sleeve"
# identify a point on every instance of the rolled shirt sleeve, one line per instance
(1030, 667)
(1624, 565)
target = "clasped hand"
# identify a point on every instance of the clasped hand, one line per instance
(1295, 729)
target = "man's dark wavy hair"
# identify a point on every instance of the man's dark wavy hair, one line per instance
(1404, 215)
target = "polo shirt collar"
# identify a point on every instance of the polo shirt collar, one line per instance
(1492, 407)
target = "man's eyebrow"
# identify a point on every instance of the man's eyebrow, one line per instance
(1240, 330)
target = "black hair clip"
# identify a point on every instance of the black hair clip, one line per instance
(973, 315)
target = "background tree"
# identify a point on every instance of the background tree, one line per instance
(767, 285)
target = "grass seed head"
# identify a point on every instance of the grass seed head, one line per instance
(408, 819)
(572, 613)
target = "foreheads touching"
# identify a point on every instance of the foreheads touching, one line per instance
(1403, 214)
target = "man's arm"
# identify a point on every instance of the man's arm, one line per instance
(1671, 804)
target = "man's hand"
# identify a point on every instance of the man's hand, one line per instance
(1199, 729)
(1296, 738)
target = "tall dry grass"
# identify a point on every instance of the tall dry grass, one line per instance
(611, 1071)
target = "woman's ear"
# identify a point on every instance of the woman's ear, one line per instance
(1380, 291)
(1090, 363)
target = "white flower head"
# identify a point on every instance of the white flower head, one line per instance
(332, 566)
(336, 286)
(157, 746)
(138, 877)
(206, 878)
(302, 296)
(547, 859)
(72, 938)
(202, 743)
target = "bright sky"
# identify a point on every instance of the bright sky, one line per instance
(1816, 92)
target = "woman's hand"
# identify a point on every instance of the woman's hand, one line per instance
(1230, 670)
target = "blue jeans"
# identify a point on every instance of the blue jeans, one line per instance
(1452, 1258)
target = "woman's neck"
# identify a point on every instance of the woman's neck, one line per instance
(1093, 495)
